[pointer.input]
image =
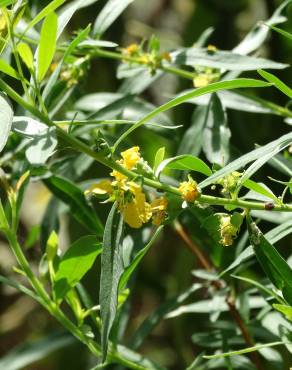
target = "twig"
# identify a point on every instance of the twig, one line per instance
(207, 264)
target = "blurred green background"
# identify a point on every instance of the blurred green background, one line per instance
(166, 269)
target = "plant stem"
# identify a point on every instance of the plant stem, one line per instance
(209, 266)
(110, 163)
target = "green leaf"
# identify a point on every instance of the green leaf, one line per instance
(28, 127)
(216, 86)
(30, 352)
(286, 310)
(71, 195)
(159, 156)
(42, 147)
(47, 47)
(70, 49)
(184, 163)
(265, 157)
(216, 133)
(6, 2)
(68, 11)
(75, 263)
(53, 5)
(6, 116)
(258, 34)
(245, 350)
(273, 236)
(264, 153)
(282, 32)
(191, 142)
(25, 54)
(222, 59)
(280, 85)
(8, 70)
(276, 268)
(109, 14)
(111, 271)
(127, 273)
(258, 188)
(158, 314)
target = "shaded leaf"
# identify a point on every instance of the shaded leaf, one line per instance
(42, 147)
(216, 133)
(6, 116)
(111, 271)
(71, 195)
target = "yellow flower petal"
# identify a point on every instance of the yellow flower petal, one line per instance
(101, 188)
(131, 157)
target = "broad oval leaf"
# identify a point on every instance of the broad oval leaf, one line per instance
(75, 263)
(28, 126)
(6, 116)
(42, 147)
(184, 163)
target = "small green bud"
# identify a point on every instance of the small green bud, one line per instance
(52, 246)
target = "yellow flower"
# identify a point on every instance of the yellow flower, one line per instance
(159, 207)
(227, 231)
(101, 188)
(212, 48)
(137, 211)
(131, 157)
(202, 80)
(189, 190)
(132, 49)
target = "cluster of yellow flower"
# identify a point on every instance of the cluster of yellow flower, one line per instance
(152, 59)
(129, 195)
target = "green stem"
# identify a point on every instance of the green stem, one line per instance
(99, 157)
(54, 310)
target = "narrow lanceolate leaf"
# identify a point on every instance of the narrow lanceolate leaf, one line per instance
(68, 11)
(282, 32)
(47, 46)
(276, 268)
(6, 116)
(25, 54)
(191, 142)
(111, 271)
(109, 14)
(280, 85)
(8, 70)
(159, 156)
(71, 195)
(264, 151)
(216, 134)
(182, 98)
(137, 259)
(53, 5)
(222, 59)
(184, 163)
(75, 263)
